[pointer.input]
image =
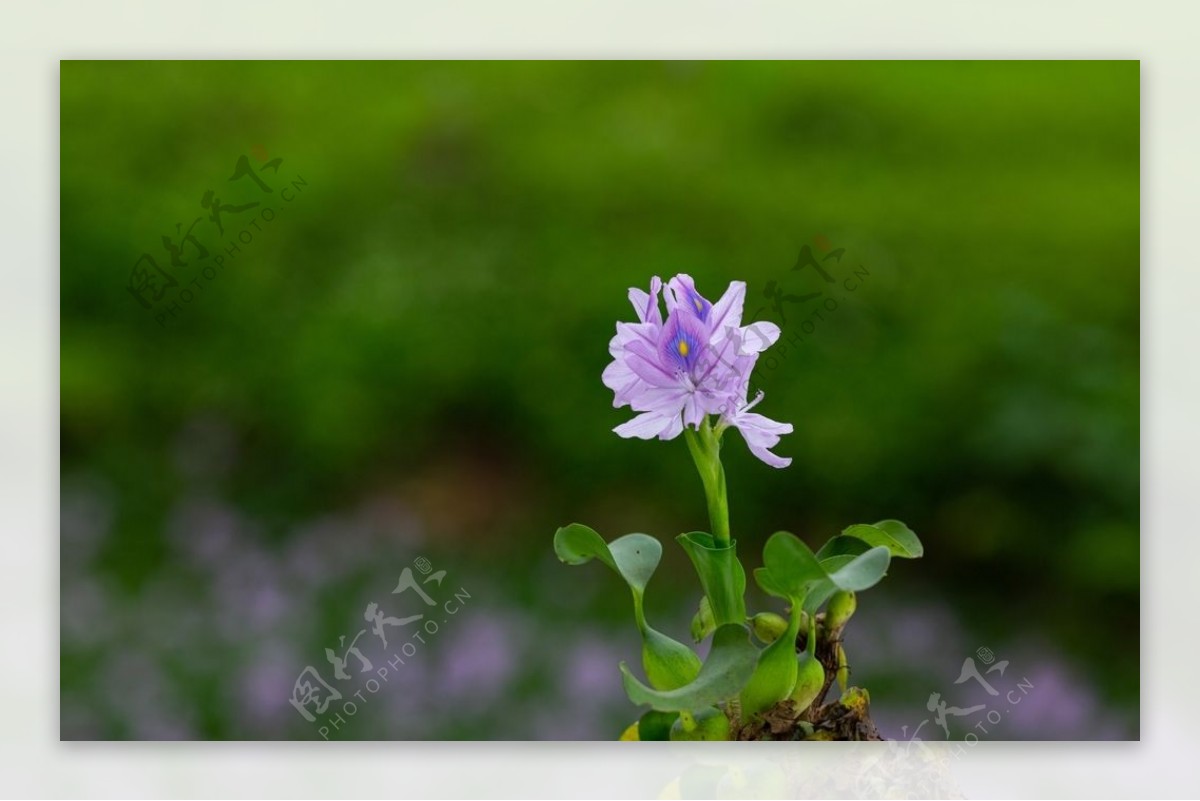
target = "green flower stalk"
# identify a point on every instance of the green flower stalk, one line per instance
(705, 446)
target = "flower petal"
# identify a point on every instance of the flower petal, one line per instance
(643, 360)
(646, 304)
(681, 293)
(621, 380)
(757, 337)
(649, 425)
(762, 434)
(727, 312)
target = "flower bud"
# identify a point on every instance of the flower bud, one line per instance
(843, 668)
(768, 626)
(841, 607)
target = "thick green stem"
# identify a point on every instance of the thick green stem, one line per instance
(726, 585)
(705, 447)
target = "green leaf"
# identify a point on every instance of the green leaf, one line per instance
(835, 563)
(668, 663)
(775, 675)
(721, 575)
(793, 568)
(849, 573)
(637, 557)
(769, 585)
(891, 534)
(655, 725)
(841, 546)
(634, 557)
(730, 665)
(577, 544)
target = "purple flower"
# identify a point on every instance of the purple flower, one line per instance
(696, 363)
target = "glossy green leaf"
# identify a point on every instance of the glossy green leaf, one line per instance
(729, 666)
(834, 563)
(863, 571)
(842, 546)
(849, 573)
(768, 584)
(721, 575)
(891, 534)
(668, 663)
(637, 557)
(577, 544)
(793, 568)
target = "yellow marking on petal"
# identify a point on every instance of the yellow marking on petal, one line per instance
(699, 305)
(683, 347)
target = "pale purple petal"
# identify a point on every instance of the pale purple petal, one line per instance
(622, 381)
(647, 425)
(762, 434)
(661, 399)
(646, 304)
(727, 312)
(673, 430)
(634, 332)
(682, 294)
(643, 360)
(757, 337)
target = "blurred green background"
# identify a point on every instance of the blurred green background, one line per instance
(405, 360)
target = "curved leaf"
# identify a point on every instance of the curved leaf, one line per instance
(576, 544)
(841, 546)
(898, 538)
(668, 663)
(768, 584)
(637, 557)
(793, 568)
(730, 665)
(849, 573)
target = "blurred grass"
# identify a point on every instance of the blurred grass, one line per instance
(430, 315)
